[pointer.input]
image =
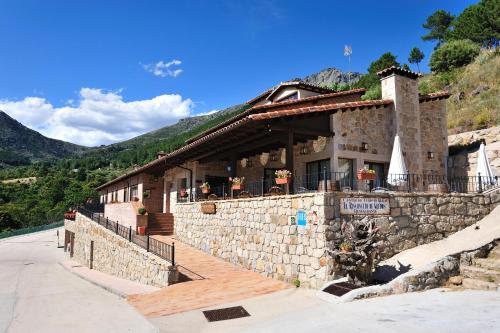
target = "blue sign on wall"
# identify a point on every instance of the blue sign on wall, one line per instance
(301, 218)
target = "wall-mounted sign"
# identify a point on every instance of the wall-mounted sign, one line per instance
(292, 220)
(208, 208)
(301, 218)
(365, 206)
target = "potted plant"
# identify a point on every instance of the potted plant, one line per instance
(237, 182)
(345, 247)
(366, 174)
(146, 194)
(141, 220)
(282, 176)
(205, 187)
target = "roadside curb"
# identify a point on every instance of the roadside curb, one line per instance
(83, 277)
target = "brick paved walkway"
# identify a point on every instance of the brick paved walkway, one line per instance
(213, 281)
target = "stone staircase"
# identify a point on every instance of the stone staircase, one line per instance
(160, 224)
(483, 274)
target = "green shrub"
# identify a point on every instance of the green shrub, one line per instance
(453, 54)
(296, 283)
(142, 210)
(374, 92)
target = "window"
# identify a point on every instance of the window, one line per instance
(134, 192)
(346, 172)
(289, 97)
(315, 173)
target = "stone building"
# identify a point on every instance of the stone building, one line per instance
(321, 136)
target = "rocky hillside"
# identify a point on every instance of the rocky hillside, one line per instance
(475, 103)
(331, 77)
(21, 145)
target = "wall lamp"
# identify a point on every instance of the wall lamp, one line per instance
(303, 150)
(430, 155)
(364, 145)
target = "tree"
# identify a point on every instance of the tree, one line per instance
(386, 60)
(371, 81)
(438, 25)
(453, 54)
(416, 56)
(479, 23)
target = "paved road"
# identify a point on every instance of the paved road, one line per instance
(38, 295)
(297, 311)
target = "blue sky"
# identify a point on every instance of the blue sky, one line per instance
(96, 72)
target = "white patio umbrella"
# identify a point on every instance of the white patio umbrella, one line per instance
(397, 167)
(484, 168)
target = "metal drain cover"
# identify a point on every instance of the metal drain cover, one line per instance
(226, 313)
(339, 289)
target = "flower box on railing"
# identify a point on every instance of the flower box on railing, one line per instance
(364, 174)
(280, 181)
(237, 186)
(70, 215)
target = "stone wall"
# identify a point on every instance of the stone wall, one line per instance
(464, 163)
(257, 233)
(434, 136)
(117, 256)
(417, 218)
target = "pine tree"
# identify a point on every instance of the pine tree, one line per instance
(416, 56)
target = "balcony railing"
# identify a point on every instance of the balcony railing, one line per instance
(347, 182)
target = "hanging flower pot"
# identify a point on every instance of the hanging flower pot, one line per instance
(282, 176)
(205, 188)
(237, 183)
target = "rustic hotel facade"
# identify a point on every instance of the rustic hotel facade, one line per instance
(321, 136)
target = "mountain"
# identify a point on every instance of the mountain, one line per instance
(20, 145)
(183, 125)
(331, 77)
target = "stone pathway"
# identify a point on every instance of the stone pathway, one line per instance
(211, 281)
(473, 237)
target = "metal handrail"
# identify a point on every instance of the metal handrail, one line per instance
(161, 249)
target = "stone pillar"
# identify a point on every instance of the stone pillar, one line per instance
(401, 86)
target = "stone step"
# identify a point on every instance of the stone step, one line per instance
(468, 283)
(488, 263)
(480, 273)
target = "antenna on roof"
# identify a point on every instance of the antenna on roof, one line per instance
(347, 53)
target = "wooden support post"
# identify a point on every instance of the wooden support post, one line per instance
(289, 158)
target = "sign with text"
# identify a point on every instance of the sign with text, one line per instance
(208, 208)
(365, 206)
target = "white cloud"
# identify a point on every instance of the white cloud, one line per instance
(98, 117)
(207, 113)
(163, 69)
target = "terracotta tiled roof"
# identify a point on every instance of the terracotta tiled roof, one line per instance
(399, 71)
(434, 96)
(250, 118)
(319, 108)
(263, 108)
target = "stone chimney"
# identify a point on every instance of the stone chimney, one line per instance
(401, 86)
(160, 154)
